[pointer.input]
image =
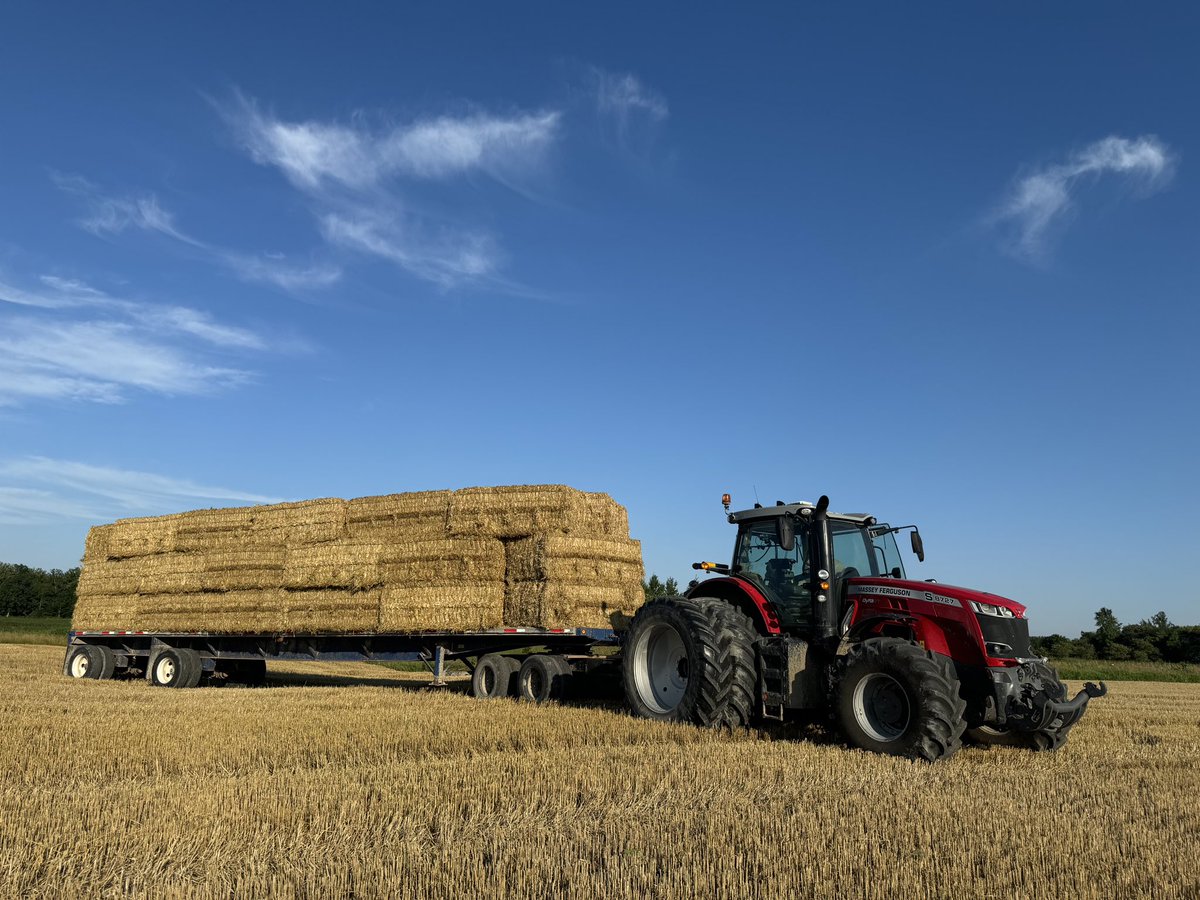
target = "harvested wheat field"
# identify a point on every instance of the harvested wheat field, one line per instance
(324, 786)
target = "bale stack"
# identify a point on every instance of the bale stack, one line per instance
(528, 555)
(558, 580)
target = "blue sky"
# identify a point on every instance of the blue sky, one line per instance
(939, 266)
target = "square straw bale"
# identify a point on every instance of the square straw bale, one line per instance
(334, 565)
(230, 612)
(516, 511)
(574, 559)
(140, 537)
(334, 610)
(605, 515)
(101, 577)
(553, 605)
(104, 612)
(421, 510)
(446, 561)
(465, 606)
(294, 524)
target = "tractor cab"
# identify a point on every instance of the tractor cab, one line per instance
(779, 550)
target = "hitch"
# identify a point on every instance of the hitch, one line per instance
(1070, 710)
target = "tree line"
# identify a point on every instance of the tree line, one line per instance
(1155, 639)
(28, 591)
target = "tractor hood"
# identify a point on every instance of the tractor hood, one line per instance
(934, 592)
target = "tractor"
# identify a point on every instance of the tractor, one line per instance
(815, 615)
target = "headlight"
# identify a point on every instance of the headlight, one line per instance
(990, 609)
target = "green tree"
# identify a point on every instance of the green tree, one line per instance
(1108, 629)
(18, 590)
(655, 588)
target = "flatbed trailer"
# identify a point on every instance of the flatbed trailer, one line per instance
(535, 663)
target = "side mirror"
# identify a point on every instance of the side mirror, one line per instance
(785, 530)
(918, 546)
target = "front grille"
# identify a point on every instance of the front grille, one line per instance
(1007, 638)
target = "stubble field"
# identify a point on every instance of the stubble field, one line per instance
(320, 785)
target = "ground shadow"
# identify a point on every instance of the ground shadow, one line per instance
(305, 679)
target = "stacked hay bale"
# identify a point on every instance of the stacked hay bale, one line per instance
(525, 556)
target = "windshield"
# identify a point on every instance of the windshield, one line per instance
(887, 554)
(851, 550)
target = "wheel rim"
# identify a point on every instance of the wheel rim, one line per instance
(881, 707)
(487, 681)
(80, 664)
(661, 667)
(536, 682)
(164, 670)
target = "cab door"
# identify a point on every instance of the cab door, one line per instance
(782, 575)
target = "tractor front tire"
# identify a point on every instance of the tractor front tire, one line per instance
(894, 697)
(691, 660)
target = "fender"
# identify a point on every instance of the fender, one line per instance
(743, 595)
(893, 624)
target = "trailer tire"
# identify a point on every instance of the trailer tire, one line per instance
(176, 668)
(893, 697)
(91, 661)
(543, 677)
(494, 677)
(691, 659)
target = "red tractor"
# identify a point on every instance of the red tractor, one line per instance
(815, 614)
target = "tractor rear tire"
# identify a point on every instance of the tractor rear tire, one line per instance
(494, 677)
(691, 660)
(893, 697)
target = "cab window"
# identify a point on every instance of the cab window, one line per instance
(783, 574)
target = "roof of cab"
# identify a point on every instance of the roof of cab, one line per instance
(770, 512)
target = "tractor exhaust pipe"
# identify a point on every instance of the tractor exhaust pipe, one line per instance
(825, 612)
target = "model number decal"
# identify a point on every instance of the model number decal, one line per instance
(906, 593)
(938, 598)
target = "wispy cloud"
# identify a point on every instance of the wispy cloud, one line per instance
(98, 361)
(276, 270)
(629, 112)
(623, 96)
(449, 259)
(315, 154)
(114, 214)
(359, 177)
(77, 343)
(1041, 199)
(64, 293)
(39, 489)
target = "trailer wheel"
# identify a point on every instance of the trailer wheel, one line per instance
(893, 697)
(176, 668)
(691, 660)
(494, 677)
(91, 661)
(543, 677)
